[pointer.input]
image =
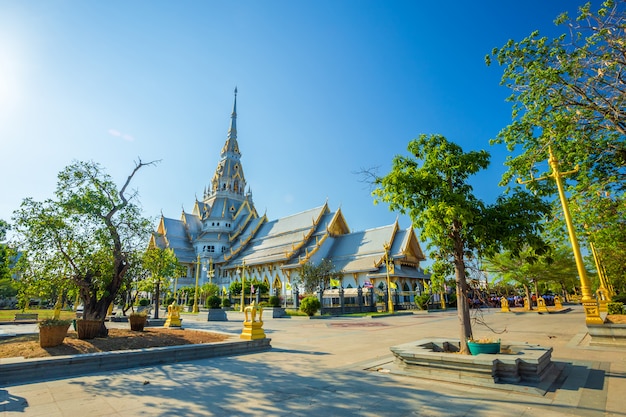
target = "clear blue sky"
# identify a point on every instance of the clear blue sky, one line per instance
(326, 88)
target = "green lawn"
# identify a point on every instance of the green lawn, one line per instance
(9, 315)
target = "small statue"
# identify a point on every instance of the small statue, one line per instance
(173, 316)
(504, 304)
(253, 328)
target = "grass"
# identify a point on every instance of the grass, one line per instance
(9, 315)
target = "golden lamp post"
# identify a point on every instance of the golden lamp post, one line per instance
(211, 272)
(195, 295)
(389, 268)
(242, 270)
(590, 305)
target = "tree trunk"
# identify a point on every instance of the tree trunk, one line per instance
(157, 293)
(462, 304)
(530, 300)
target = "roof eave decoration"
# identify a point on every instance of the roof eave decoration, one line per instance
(338, 225)
(244, 224)
(381, 261)
(244, 243)
(412, 248)
(161, 227)
(308, 255)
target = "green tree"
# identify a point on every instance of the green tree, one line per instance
(89, 229)
(129, 291)
(569, 93)
(162, 265)
(8, 286)
(432, 187)
(525, 269)
(312, 276)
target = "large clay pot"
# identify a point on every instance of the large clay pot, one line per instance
(89, 329)
(137, 322)
(50, 336)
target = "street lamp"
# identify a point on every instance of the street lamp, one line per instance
(590, 306)
(211, 272)
(195, 296)
(242, 270)
(389, 265)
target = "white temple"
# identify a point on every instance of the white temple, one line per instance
(224, 232)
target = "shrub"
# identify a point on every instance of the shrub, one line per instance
(619, 298)
(274, 301)
(54, 322)
(144, 302)
(615, 308)
(213, 302)
(452, 300)
(422, 301)
(169, 301)
(226, 302)
(310, 305)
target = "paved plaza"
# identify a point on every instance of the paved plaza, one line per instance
(340, 367)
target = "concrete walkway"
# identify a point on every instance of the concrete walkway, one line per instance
(340, 367)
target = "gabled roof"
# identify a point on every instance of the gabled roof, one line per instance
(278, 240)
(172, 233)
(358, 251)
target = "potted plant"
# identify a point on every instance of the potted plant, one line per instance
(52, 331)
(277, 310)
(144, 306)
(215, 311)
(478, 346)
(137, 321)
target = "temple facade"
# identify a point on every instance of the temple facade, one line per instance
(224, 238)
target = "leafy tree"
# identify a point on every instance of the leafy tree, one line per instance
(89, 230)
(162, 265)
(432, 187)
(312, 276)
(8, 287)
(569, 93)
(525, 269)
(209, 289)
(129, 290)
(235, 288)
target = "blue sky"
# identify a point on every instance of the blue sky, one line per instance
(326, 89)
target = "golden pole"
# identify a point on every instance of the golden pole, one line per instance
(604, 285)
(243, 281)
(195, 295)
(589, 303)
(389, 298)
(211, 272)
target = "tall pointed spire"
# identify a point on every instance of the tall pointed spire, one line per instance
(232, 131)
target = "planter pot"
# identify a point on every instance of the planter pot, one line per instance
(89, 329)
(217, 314)
(137, 322)
(50, 336)
(476, 348)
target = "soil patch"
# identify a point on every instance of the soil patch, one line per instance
(119, 339)
(616, 318)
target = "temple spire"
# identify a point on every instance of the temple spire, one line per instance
(232, 131)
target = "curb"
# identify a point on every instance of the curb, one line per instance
(19, 370)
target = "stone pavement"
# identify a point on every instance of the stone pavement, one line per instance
(340, 367)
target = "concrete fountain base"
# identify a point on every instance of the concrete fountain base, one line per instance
(438, 359)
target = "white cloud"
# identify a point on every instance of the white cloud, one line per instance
(127, 137)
